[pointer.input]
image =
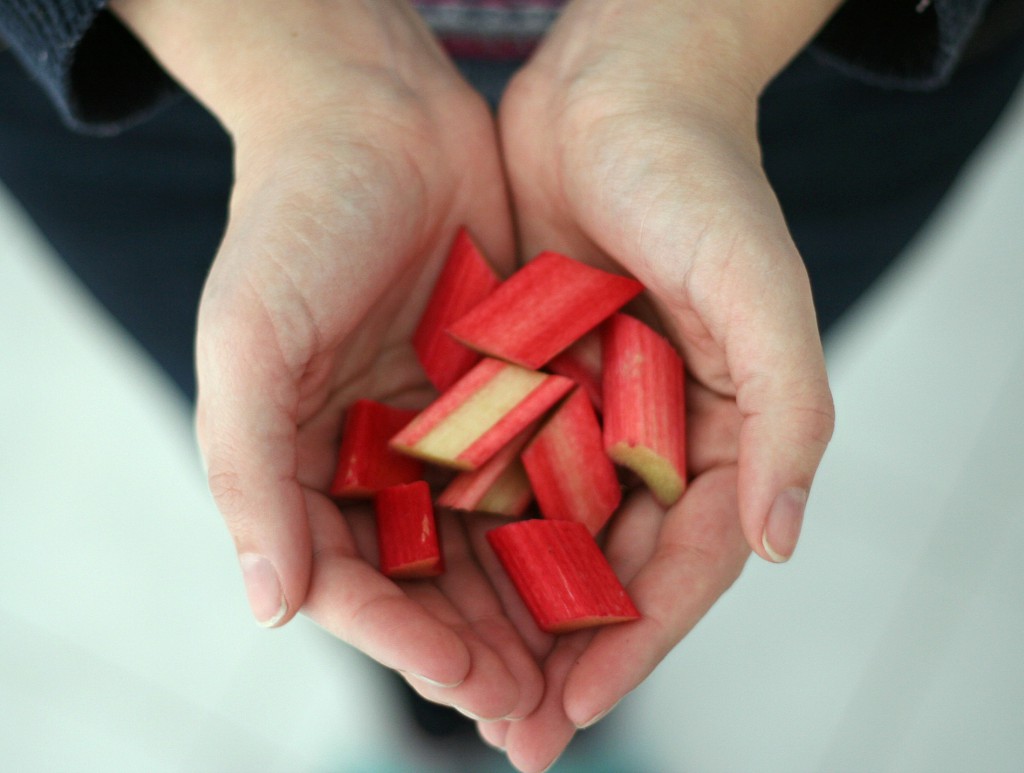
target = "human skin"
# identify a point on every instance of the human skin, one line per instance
(358, 152)
(628, 141)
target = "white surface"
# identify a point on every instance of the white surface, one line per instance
(891, 642)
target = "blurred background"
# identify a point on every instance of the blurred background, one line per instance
(891, 641)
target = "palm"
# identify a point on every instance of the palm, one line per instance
(330, 255)
(676, 198)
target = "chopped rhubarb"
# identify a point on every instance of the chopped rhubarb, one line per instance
(366, 463)
(481, 413)
(407, 532)
(561, 574)
(465, 281)
(542, 309)
(582, 363)
(569, 471)
(644, 406)
(497, 487)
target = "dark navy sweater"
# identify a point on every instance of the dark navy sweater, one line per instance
(101, 79)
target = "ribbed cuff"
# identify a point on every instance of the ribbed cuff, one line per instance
(908, 44)
(100, 78)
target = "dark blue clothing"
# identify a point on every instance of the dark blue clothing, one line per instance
(138, 215)
(101, 79)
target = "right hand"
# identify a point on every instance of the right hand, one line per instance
(359, 151)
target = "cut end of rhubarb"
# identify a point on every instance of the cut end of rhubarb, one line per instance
(589, 622)
(417, 570)
(407, 532)
(659, 474)
(645, 405)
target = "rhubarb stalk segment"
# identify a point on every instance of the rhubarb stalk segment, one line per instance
(497, 487)
(644, 406)
(407, 532)
(543, 308)
(582, 363)
(366, 463)
(561, 574)
(466, 279)
(569, 471)
(480, 414)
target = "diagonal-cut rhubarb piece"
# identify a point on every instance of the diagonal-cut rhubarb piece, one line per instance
(407, 532)
(644, 406)
(569, 471)
(561, 574)
(582, 363)
(466, 279)
(542, 308)
(497, 487)
(482, 412)
(509, 495)
(366, 463)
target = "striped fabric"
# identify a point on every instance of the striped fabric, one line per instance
(492, 29)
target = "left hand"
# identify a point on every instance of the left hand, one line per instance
(630, 142)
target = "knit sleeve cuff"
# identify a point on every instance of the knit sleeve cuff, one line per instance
(909, 44)
(98, 75)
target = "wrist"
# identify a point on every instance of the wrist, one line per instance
(257, 61)
(723, 48)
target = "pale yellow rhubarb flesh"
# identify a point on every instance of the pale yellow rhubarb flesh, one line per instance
(644, 406)
(482, 412)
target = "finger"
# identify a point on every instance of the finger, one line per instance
(470, 590)
(349, 598)
(462, 599)
(247, 432)
(700, 552)
(782, 393)
(632, 535)
(535, 742)
(494, 733)
(538, 642)
(488, 692)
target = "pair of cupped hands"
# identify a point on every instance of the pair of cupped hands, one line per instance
(628, 140)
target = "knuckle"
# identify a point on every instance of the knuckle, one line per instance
(226, 489)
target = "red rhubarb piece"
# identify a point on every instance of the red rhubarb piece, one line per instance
(480, 414)
(407, 532)
(366, 463)
(582, 363)
(497, 487)
(542, 308)
(465, 280)
(561, 574)
(644, 406)
(569, 471)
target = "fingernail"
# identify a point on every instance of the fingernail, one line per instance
(433, 682)
(782, 528)
(597, 717)
(471, 715)
(263, 587)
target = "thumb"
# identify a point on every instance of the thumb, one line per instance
(784, 400)
(247, 432)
